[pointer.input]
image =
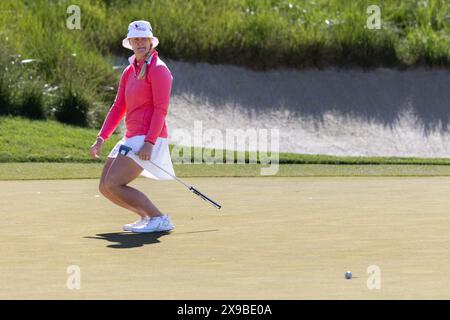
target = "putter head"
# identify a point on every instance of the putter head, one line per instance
(201, 195)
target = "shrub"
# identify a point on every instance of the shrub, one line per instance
(32, 102)
(5, 97)
(72, 107)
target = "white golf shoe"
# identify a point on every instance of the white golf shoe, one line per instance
(140, 222)
(155, 224)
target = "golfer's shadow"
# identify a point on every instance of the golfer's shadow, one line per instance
(125, 240)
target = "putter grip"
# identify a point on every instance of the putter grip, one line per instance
(218, 206)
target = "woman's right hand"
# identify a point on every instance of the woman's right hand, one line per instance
(96, 149)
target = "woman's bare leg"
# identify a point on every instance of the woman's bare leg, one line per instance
(111, 196)
(122, 171)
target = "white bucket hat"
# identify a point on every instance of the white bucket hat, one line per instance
(139, 29)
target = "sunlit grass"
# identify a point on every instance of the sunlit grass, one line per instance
(23, 140)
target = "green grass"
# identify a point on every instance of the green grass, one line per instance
(258, 34)
(45, 171)
(23, 140)
(51, 150)
(300, 33)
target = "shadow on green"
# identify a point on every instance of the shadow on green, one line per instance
(126, 240)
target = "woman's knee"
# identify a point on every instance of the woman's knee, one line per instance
(107, 186)
(103, 190)
(110, 186)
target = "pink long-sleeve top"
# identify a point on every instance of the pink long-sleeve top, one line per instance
(144, 102)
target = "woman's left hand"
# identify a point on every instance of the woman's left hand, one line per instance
(146, 151)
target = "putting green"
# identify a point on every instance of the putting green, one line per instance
(275, 238)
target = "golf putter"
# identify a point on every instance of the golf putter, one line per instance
(124, 151)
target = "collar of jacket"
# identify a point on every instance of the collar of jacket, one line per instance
(133, 57)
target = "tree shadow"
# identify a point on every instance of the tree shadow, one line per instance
(126, 240)
(378, 96)
(375, 95)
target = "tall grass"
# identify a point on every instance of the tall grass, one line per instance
(49, 70)
(295, 33)
(258, 34)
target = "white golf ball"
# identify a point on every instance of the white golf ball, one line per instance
(348, 275)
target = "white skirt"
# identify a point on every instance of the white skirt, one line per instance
(160, 156)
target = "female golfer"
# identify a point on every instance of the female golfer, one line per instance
(143, 96)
